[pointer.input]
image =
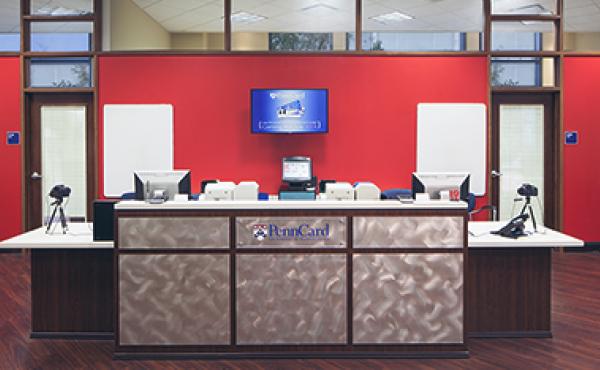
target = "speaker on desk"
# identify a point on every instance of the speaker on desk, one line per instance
(104, 219)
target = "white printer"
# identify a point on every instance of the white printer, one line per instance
(339, 191)
(219, 191)
(366, 191)
(246, 190)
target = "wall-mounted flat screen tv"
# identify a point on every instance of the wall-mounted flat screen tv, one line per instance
(286, 111)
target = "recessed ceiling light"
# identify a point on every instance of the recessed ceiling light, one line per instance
(244, 17)
(531, 23)
(392, 17)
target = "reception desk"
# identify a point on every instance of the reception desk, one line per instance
(290, 279)
(71, 283)
(509, 285)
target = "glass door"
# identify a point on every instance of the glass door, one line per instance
(524, 152)
(63, 133)
(59, 151)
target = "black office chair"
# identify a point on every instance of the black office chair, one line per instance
(488, 207)
(396, 193)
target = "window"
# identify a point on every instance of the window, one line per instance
(62, 7)
(300, 41)
(302, 25)
(516, 72)
(523, 36)
(407, 25)
(410, 41)
(522, 72)
(61, 36)
(60, 72)
(63, 147)
(521, 7)
(166, 25)
(10, 38)
(582, 25)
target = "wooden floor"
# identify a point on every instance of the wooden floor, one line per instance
(576, 327)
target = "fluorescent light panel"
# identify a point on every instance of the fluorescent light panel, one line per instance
(245, 17)
(319, 6)
(392, 17)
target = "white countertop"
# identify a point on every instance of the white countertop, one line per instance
(292, 204)
(79, 236)
(480, 237)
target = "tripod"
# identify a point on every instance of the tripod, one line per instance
(528, 209)
(58, 206)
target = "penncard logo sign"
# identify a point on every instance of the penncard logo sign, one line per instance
(259, 231)
(301, 232)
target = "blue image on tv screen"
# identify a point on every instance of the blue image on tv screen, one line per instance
(289, 111)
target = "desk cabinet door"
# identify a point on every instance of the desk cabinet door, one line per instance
(174, 299)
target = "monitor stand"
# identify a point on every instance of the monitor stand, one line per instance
(296, 191)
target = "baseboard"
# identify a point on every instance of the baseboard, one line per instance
(291, 355)
(511, 334)
(72, 335)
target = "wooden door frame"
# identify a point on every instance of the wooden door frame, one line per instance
(552, 141)
(33, 101)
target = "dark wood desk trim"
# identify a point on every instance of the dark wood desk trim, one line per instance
(509, 292)
(72, 293)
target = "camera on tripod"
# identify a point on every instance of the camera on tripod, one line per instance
(59, 192)
(528, 190)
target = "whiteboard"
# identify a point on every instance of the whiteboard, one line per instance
(137, 137)
(452, 138)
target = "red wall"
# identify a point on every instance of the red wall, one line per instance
(582, 161)
(372, 103)
(10, 155)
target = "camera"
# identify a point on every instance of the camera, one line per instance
(528, 190)
(60, 191)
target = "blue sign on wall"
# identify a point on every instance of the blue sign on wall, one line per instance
(571, 137)
(13, 138)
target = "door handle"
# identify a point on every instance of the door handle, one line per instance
(36, 176)
(496, 173)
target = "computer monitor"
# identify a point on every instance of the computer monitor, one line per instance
(287, 111)
(170, 182)
(296, 170)
(433, 183)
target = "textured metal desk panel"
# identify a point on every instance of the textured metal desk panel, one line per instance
(408, 298)
(408, 232)
(173, 232)
(291, 299)
(247, 227)
(174, 299)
